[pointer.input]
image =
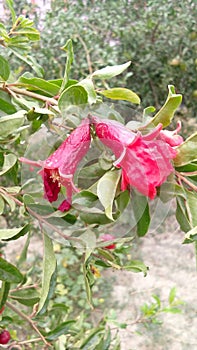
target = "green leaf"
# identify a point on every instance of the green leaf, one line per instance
(23, 255)
(40, 85)
(182, 215)
(2, 204)
(136, 266)
(49, 275)
(10, 4)
(141, 213)
(68, 48)
(187, 151)
(4, 68)
(9, 201)
(84, 198)
(74, 95)
(5, 103)
(110, 71)
(9, 161)
(94, 218)
(166, 113)
(63, 328)
(89, 238)
(87, 284)
(9, 234)
(191, 236)
(106, 190)
(92, 340)
(172, 295)
(31, 33)
(121, 94)
(30, 61)
(88, 85)
(4, 291)
(10, 123)
(192, 207)
(9, 273)
(28, 297)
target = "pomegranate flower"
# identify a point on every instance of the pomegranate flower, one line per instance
(145, 159)
(59, 168)
(107, 237)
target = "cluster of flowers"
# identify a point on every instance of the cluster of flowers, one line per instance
(145, 160)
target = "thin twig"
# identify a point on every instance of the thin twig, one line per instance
(26, 318)
(89, 62)
(41, 219)
(16, 90)
(184, 179)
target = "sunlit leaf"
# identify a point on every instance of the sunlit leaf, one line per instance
(9, 234)
(166, 113)
(106, 190)
(110, 71)
(187, 151)
(121, 94)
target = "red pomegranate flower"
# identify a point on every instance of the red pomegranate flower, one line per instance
(107, 237)
(59, 168)
(145, 159)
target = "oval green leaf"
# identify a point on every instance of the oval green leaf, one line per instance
(13, 233)
(9, 273)
(10, 123)
(4, 68)
(9, 161)
(121, 94)
(49, 275)
(110, 71)
(74, 95)
(106, 190)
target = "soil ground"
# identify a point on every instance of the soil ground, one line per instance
(171, 264)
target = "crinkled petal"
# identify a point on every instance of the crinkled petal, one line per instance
(71, 151)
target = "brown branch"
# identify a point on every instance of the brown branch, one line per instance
(26, 318)
(184, 179)
(89, 62)
(31, 94)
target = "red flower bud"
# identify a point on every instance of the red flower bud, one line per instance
(4, 337)
(108, 237)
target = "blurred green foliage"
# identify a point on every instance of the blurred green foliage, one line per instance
(160, 39)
